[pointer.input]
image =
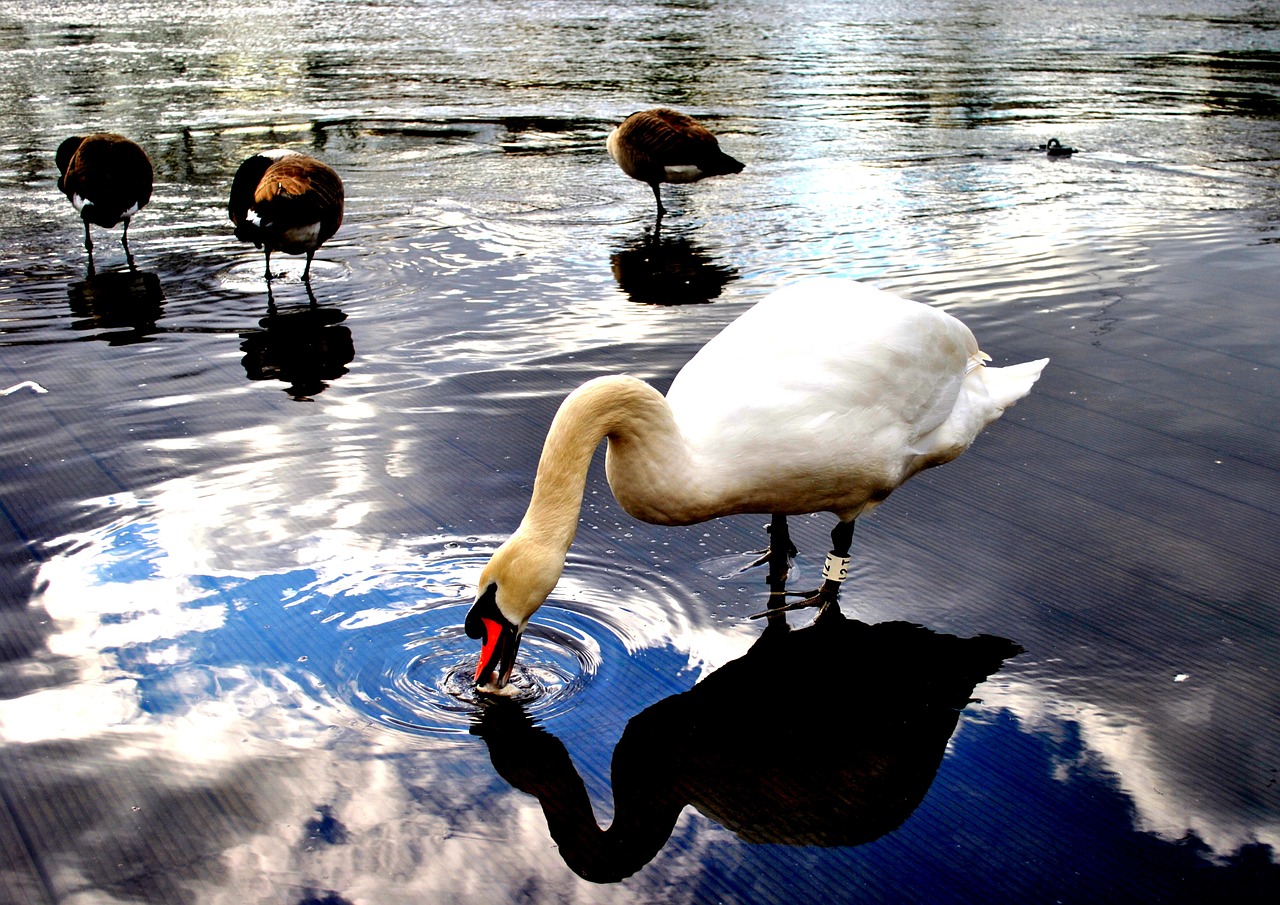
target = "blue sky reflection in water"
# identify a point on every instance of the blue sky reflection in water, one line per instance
(238, 543)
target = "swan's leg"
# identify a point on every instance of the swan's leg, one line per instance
(779, 552)
(834, 572)
(836, 568)
(779, 556)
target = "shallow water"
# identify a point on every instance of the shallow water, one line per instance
(239, 540)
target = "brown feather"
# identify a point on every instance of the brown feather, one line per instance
(295, 190)
(664, 145)
(109, 171)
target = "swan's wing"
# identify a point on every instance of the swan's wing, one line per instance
(825, 375)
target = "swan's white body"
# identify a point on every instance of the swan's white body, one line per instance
(824, 397)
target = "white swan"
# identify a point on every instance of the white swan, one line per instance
(823, 397)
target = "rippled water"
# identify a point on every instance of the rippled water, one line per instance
(238, 538)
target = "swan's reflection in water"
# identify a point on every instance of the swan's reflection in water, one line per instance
(305, 347)
(829, 735)
(125, 305)
(664, 269)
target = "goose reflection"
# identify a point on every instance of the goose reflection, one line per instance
(654, 269)
(126, 305)
(305, 347)
(754, 749)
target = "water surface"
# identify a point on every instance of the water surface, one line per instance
(239, 537)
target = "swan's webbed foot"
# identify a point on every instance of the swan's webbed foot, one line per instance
(780, 551)
(826, 597)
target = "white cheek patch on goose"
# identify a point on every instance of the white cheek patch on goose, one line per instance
(79, 202)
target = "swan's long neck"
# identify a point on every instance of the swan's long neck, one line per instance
(649, 467)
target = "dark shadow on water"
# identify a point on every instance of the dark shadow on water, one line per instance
(305, 347)
(327, 828)
(125, 305)
(329, 897)
(665, 269)
(828, 735)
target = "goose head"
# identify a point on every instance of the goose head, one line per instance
(517, 580)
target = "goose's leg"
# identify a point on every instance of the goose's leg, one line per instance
(657, 196)
(124, 240)
(267, 251)
(88, 246)
(306, 271)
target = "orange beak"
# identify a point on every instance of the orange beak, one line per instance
(499, 640)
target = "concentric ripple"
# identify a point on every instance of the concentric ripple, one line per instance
(426, 684)
(246, 276)
(422, 680)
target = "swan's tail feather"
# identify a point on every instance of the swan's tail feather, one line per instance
(1009, 384)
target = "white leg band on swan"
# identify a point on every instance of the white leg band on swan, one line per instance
(836, 568)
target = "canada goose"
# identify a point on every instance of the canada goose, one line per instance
(108, 179)
(286, 201)
(663, 145)
(824, 397)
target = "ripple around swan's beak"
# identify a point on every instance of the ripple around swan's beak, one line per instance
(498, 653)
(500, 640)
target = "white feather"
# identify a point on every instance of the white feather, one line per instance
(682, 173)
(824, 397)
(828, 387)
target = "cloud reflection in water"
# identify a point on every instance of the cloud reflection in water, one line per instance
(216, 718)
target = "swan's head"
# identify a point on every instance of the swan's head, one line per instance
(519, 577)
